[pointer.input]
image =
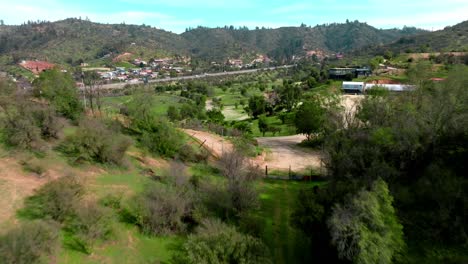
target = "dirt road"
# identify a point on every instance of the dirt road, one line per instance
(284, 152)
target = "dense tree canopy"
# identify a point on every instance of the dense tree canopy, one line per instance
(60, 89)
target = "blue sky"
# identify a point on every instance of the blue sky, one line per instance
(176, 15)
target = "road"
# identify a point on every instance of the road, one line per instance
(192, 77)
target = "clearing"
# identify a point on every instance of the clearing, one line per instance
(282, 151)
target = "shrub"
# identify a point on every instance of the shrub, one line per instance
(90, 224)
(93, 141)
(162, 209)
(55, 200)
(216, 242)
(29, 243)
(162, 139)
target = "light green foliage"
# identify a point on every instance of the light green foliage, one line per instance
(366, 229)
(155, 134)
(59, 88)
(218, 243)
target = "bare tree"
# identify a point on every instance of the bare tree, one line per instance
(93, 90)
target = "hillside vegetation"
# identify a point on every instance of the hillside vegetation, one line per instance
(75, 40)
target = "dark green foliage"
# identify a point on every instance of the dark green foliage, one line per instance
(216, 242)
(59, 88)
(94, 141)
(55, 200)
(28, 243)
(309, 119)
(257, 105)
(289, 94)
(173, 113)
(263, 125)
(449, 39)
(215, 116)
(416, 142)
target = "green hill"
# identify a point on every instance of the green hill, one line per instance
(453, 38)
(75, 40)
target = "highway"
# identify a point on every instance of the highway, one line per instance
(192, 77)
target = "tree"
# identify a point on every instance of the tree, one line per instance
(310, 117)
(92, 89)
(215, 116)
(263, 124)
(366, 228)
(216, 242)
(26, 123)
(289, 95)
(173, 113)
(59, 88)
(257, 105)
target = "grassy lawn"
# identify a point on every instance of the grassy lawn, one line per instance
(287, 245)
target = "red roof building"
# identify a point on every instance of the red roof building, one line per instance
(36, 67)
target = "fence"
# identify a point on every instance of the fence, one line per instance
(311, 175)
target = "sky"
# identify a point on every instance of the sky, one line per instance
(177, 15)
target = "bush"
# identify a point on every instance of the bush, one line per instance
(90, 224)
(29, 243)
(162, 209)
(55, 200)
(162, 139)
(93, 141)
(216, 242)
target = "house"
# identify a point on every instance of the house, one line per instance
(36, 67)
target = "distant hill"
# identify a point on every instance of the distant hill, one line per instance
(453, 38)
(75, 40)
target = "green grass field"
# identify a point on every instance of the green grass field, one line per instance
(287, 245)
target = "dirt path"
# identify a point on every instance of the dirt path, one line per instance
(15, 185)
(284, 152)
(215, 144)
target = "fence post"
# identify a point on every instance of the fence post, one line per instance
(266, 170)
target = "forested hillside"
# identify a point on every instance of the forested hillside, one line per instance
(73, 40)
